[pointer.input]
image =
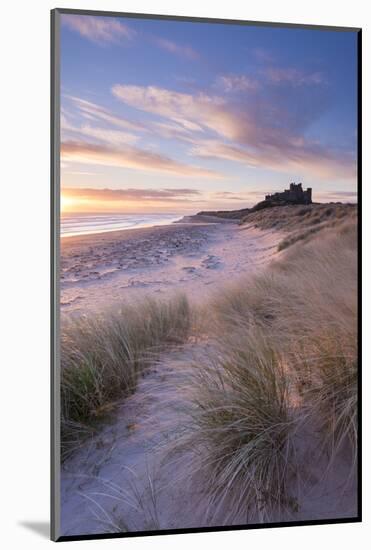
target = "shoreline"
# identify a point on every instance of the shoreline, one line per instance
(184, 220)
(114, 230)
(76, 224)
(131, 231)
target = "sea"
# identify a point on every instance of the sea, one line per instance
(84, 224)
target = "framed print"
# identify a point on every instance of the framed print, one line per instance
(206, 195)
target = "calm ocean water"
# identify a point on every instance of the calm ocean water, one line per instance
(83, 224)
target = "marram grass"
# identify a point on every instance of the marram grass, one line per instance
(103, 356)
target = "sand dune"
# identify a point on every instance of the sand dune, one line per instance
(151, 463)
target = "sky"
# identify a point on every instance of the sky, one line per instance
(175, 116)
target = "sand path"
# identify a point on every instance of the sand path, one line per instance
(124, 479)
(128, 477)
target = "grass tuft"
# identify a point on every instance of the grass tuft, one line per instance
(284, 360)
(241, 419)
(103, 357)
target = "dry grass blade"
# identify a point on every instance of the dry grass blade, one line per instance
(241, 422)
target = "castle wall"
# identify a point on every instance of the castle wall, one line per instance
(294, 194)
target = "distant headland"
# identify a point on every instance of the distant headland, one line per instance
(292, 196)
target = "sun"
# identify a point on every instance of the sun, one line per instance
(67, 203)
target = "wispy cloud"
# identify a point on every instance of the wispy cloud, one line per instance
(238, 196)
(259, 132)
(92, 111)
(131, 194)
(336, 196)
(94, 133)
(294, 77)
(190, 111)
(171, 130)
(78, 172)
(307, 158)
(130, 157)
(114, 137)
(101, 30)
(177, 49)
(109, 30)
(237, 83)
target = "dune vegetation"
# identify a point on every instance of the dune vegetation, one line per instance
(283, 367)
(103, 357)
(277, 376)
(301, 222)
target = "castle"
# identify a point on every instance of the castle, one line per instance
(294, 195)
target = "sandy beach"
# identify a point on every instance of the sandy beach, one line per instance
(100, 269)
(125, 458)
(135, 472)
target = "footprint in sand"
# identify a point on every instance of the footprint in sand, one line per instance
(189, 269)
(211, 262)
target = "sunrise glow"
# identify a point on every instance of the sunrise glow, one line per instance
(181, 117)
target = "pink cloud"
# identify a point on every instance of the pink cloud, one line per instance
(168, 195)
(92, 111)
(337, 196)
(306, 158)
(111, 136)
(199, 111)
(130, 157)
(258, 134)
(250, 196)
